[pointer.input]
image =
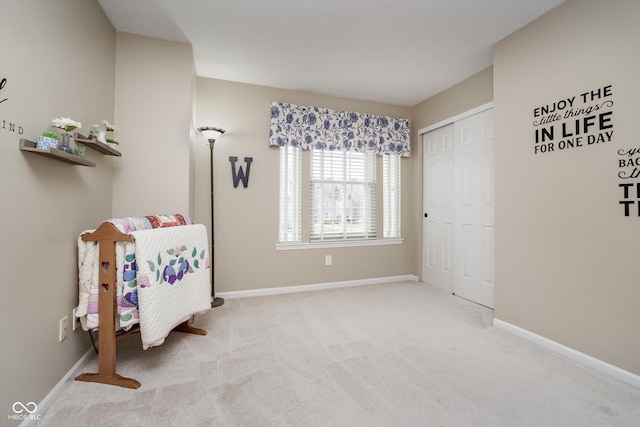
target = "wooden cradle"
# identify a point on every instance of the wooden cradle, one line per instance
(107, 234)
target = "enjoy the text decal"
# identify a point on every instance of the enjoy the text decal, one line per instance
(577, 121)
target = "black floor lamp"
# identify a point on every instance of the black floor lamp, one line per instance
(211, 133)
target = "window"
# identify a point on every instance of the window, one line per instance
(340, 176)
(340, 204)
(290, 182)
(343, 195)
(391, 196)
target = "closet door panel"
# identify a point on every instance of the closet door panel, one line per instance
(437, 266)
(473, 208)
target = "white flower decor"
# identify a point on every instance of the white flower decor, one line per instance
(66, 124)
(109, 127)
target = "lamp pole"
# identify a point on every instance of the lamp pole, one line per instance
(217, 301)
(211, 133)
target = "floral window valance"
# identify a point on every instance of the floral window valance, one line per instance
(326, 129)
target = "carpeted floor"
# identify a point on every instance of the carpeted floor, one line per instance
(403, 354)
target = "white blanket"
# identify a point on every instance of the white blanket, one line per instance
(88, 277)
(126, 293)
(173, 278)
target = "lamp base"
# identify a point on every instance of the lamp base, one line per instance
(217, 302)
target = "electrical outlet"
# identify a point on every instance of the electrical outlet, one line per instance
(75, 321)
(327, 260)
(63, 329)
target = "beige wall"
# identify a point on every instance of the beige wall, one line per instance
(475, 91)
(246, 226)
(153, 108)
(58, 59)
(566, 259)
(567, 263)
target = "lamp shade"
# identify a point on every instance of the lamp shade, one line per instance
(210, 132)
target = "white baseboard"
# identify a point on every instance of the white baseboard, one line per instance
(55, 392)
(579, 357)
(315, 287)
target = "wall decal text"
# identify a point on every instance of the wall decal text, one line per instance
(3, 82)
(11, 127)
(629, 173)
(581, 120)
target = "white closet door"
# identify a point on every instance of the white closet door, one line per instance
(473, 236)
(458, 224)
(437, 265)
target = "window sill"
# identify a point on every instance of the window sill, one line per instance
(338, 244)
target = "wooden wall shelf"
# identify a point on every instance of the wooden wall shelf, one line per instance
(30, 146)
(96, 145)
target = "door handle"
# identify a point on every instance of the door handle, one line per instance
(426, 214)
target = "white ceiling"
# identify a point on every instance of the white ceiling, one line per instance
(397, 52)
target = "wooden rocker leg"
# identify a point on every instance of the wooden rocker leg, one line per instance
(114, 379)
(185, 327)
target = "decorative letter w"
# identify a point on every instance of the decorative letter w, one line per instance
(240, 175)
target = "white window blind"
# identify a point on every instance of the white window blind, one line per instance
(391, 196)
(289, 229)
(343, 195)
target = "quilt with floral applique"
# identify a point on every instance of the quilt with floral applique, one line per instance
(127, 286)
(173, 277)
